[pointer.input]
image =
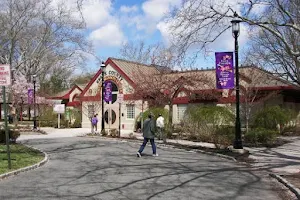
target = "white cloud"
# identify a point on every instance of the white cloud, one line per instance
(156, 9)
(128, 9)
(94, 12)
(152, 12)
(108, 35)
(163, 27)
(97, 13)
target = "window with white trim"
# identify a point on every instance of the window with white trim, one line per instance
(181, 111)
(91, 110)
(130, 111)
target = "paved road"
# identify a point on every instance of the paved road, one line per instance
(92, 168)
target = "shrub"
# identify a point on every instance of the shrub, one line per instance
(260, 136)
(76, 124)
(75, 114)
(209, 124)
(224, 135)
(114, 133)
(48, 118)
(272, 116)
(156, 111)
(104, 133)
(13, 135)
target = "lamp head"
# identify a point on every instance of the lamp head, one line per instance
(34, 77)
(235, 24)
(103, 66)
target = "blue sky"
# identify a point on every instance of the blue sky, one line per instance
(111, 23)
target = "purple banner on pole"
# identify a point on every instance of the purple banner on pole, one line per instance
(107, 91)
(224, 70)
(30, 96)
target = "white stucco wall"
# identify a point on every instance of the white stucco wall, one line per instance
(127, 125)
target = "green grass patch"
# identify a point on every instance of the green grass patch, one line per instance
(21, 156)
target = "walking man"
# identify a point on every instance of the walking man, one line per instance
(94, 123)
(148, 134)
(160, 126)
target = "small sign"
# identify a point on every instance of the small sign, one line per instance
(120, 98)
(59, 108)
(5, 75)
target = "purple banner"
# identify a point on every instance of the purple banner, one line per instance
(107, 91)
(224, 70)
(30, 96)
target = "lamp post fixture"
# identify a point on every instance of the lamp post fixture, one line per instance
(102, 96)
(235, 31)
(34, 103)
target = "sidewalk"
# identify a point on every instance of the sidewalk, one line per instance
(284, 159)
(281, 160)
(56, 133)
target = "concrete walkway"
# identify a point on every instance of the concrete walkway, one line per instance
(281, 160)
(56, 133)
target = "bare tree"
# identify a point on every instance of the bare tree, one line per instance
(266, 50)
(39, 36)
(252, 92)
(199, 23)
(157, 55)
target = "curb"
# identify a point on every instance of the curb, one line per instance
(290, 186)
(201, 151)
(28, 168)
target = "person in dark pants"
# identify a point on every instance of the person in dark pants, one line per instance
(148, 134)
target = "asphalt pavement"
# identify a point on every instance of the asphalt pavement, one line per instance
(95, 168)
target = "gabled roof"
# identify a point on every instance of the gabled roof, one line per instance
(249, 76)
(66, 93)
(130, 68)
(82, 86)
(126, 68)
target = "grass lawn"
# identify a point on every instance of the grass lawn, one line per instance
(21, 156)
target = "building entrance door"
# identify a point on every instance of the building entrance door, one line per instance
(111, 118)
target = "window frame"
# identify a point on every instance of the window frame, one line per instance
(179, 111)
(132, 107)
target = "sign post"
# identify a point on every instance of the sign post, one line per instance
(120, 101)
(5, 80)
(59, 109)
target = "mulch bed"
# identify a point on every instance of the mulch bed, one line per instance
(239, 157)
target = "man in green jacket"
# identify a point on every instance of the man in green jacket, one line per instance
(148, 134)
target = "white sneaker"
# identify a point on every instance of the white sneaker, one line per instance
(155, 155)
(138, 154)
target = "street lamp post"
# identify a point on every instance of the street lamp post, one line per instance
(34, 103)
(235, 31)
(102, 96)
